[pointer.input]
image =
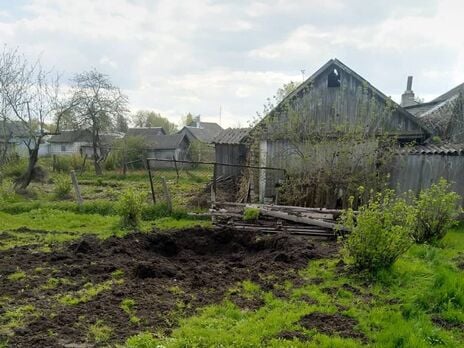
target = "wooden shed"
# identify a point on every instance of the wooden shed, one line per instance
(231, 148)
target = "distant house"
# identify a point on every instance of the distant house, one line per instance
(145, 132)
(13, 137)
(204, 132)
(170, 147)
(201, 135)
(158, 144)
(69, 142)
(231, 148)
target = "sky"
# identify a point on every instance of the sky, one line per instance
(223, 59)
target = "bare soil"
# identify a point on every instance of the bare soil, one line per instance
(332, 324)
(168, 275)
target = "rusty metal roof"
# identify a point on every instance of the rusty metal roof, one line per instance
(437, 149)
(231, 136)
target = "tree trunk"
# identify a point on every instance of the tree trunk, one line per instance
(24, 180)
(96, 157)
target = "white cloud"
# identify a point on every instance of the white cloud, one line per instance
(197, 56)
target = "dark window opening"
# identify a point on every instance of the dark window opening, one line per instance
(333, 80)
(63, 148)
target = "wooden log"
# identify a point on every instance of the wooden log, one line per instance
(76, 188)
(302, 220)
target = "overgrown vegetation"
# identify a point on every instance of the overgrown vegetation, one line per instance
(380, 231)
(436, 210)
(129, 207)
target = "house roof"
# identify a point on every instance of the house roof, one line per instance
(165, 142)
(437, 149)
(13, 129)
(81, 135)
(71, 136)
(338, 64)
(205, 133)
(231, 136)
(145, 132)
(452, 92)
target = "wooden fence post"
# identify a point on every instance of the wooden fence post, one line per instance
(167, 195)
(151, 181)
(76, 188)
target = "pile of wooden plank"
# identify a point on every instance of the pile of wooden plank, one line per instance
(311, 222)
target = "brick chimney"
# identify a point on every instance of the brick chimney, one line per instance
(407, 98)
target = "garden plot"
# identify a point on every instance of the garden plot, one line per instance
(93, 291)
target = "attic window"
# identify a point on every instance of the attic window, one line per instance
(333, 80)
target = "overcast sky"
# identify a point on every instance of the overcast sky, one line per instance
(199, 56)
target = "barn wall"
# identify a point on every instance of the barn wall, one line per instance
(230, 154)
(354, 103)
(415, 172)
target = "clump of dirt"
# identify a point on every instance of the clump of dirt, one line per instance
(331, 324)
(167, 275)
(447, 324)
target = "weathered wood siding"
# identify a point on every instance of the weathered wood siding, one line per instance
(230, 154)
(418, 171)
(319, 109)
(354, 103)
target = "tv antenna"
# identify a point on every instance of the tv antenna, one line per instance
(303, 74)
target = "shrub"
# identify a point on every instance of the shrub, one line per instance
(129, 207)
(436, 210)
(380, 232)
(62, 186)
(14, 169)
(250, 214)
(7, 192)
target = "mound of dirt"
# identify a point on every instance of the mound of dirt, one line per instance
(168, 275)
(331, 324)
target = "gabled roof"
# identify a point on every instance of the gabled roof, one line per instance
(13, 129)
(165, 142)
(71, 136)
(339, 65)
(452, 92)
(231, 136)
(82, 136)
(145, 132)
(205, 132)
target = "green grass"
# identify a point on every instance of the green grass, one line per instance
(16, 276)
(99, 332)
(397, 309)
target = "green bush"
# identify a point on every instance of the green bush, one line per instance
(129, 207)
(65, 163)
(250, 214)
(7, 192)
(380, 232)
(436, 210)
(14, 169)
(62, 186)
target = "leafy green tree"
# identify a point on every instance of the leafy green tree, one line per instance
(145, 118)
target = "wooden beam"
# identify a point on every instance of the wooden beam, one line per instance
(302, 220)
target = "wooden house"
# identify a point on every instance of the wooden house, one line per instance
(333, 101)
(79, 141)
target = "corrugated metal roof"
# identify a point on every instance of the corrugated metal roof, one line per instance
(434, 149)
(165, 142)
(231, 136)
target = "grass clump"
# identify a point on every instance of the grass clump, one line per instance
(62, 186)
(129, 207)
(436, 210)
(99, 332)
(251, 214)
(16, 276)
(127, 305)
(89, 292)
(380, 232)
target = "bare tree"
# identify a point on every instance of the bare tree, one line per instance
(98, 103)
(30, 96)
